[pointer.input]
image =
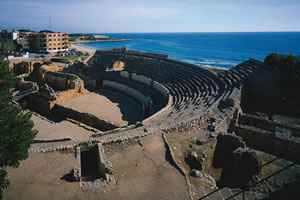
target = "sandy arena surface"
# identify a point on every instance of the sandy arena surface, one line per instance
(106, 105)
(47, 130)
(140, 171)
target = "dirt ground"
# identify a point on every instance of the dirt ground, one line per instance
(141, 171)
(106, 105)
(47, 130)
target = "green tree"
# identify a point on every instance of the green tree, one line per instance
(7, 46)
(289, 66)
(16, 132)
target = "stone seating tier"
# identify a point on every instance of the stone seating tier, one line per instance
(194, 90)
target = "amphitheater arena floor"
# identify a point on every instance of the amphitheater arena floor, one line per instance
(47, 130)
(106, 105)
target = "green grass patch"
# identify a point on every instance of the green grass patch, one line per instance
(216, 70)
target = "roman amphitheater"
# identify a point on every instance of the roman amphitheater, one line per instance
(135, 125)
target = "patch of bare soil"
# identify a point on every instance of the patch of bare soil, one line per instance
(182, 143)
(141, 171)
(47, 130)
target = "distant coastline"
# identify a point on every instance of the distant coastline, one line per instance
(222, 50)
(92, 41)
(90, 51)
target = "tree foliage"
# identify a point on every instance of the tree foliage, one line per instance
(289, 66)
(7, 46)
(16, 127)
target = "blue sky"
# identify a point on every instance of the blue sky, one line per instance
(119, 16)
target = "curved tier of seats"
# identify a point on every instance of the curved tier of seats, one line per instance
(193, 89)
(238, 75)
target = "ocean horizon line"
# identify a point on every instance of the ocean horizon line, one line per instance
(186, 32)
(224, 50)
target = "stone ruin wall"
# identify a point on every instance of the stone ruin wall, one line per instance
(52, 86)
(24, 67)
(84, 118)
(266, 135)
(266, 124)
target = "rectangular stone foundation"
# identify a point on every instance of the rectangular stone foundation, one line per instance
(94, 167)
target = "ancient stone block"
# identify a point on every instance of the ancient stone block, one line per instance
(246, 165)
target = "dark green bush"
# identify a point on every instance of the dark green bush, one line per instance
(289, 66)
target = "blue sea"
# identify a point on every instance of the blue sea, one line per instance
(223, 50)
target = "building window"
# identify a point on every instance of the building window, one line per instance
(58, 44)
(50, 39)
(50, 35)
(58, 48)
(50, 48)
(54, 48)
(54, 39)
(58, 39)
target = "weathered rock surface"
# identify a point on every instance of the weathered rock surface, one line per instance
(246, 165)
(205, 178)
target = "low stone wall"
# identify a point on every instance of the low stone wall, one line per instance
(266, 124)
(105, 166)
(68, 86)
(277, 144)
(164, 109)
(52, 140)
(39, 104)
(61, 81)
(155, 86)
(85, 118)
(25, 67)
(126, 90)
(21, 84)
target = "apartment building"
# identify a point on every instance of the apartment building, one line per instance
(48, 42)
(9, 35)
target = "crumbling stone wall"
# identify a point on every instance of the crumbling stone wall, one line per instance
(24, 67)
(85, 118)
(266, 124)
(105, 166)
(59, 80)
(276, 142)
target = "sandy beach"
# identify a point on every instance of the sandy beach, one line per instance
(82, 49)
